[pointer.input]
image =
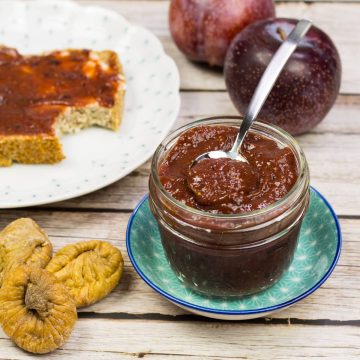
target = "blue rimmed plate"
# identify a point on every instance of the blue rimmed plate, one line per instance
(315, 258)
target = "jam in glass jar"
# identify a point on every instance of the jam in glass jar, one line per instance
(241, 245)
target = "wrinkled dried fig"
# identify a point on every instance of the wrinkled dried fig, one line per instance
(23, 242)
(90, 269)
(36, 310)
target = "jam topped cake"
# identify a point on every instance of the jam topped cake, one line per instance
(47, 95)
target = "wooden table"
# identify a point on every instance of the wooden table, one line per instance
(134, 321)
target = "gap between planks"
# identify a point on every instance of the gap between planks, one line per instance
(198, 318)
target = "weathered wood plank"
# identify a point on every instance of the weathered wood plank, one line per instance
(126, 339)
(337, 299)
(331, 148)
(337, 19)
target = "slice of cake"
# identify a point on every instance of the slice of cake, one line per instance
(42, 97)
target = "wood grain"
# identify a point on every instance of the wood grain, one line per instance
(331, 148)
(338, 20)
(128, 339)
(337, 299)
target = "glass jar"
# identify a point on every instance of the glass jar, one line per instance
(230, 254)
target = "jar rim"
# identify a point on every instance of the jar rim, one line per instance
(216, 120)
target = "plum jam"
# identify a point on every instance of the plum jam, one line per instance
(229, 227)
(225, 186)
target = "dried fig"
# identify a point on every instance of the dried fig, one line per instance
(36, 309)
(23, 242)
(90, 269)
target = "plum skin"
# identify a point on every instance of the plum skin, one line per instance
(203, 29)
(305, 90)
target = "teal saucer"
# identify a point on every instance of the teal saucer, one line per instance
(315, 258)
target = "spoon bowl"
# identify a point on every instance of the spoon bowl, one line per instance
(218, 154)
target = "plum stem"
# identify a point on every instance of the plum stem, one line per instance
(281, 33)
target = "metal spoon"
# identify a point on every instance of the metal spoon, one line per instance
(262, 91)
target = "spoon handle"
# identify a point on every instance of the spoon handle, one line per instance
(269, 78)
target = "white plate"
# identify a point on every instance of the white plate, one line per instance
(94, 157)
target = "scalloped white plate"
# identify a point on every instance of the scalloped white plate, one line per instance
(94, 157)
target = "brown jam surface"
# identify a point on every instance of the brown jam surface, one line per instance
(227, 186)
(34, 90)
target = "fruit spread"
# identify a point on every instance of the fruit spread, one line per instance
(218, 245)
(34, 90)
(225, 186)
